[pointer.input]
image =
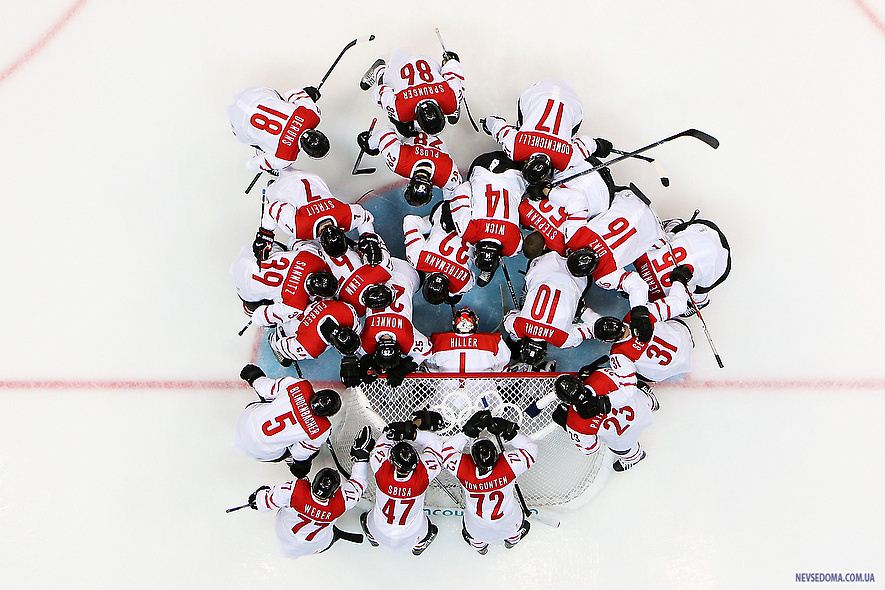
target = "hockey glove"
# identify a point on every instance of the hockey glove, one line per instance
(261, 245)
(351, 374)
(447, 55)
(640, 323)
(593, 406)
(681, 274)
(312, 92)
(362, 140)
(368, 371)
(603, 148)
(250, 373)
(396, 375)
(560, 415)
(476, 423)
(363, 443)
(503, 427)
(402, 430)
(253, 504)
(484, 122)
(588, 370)
(428, 420)
(369, 246)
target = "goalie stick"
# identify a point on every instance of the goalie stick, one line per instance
(463, 95)
(695, 133)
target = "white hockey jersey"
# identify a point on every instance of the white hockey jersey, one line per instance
(402, 156)
(467, 353)
(486, 207)
(303, 338)
(354, 276)
(396, 318)
(441, 251)
(411, 79)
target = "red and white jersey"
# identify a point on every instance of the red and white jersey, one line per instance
(467, 353)
(550, 221)
(550, 112)
(403, 155)
(492, 512)
(299, 203)
(487, 208)
(304, 524)
(411, 79)
(354, 276)
(551, 301)
(698, 246)
(261, 117)
(266, 429)
(441, 251)
(586, 195)
(396, 318)
(619, 236)
(666, 355)
(397, 520)
(304, 340)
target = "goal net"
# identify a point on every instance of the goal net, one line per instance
(562, 474)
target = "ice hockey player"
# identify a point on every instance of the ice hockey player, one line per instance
(405, 461)
(423, 159)
(388, 361)
(465, 350)
(441, 258)
(605, 405)
(308, 335)
(301, 204)
(485, 210)
(543, 142)
(550, 224)
(698, 244)
(416, 93)
(290, 422)
(362, 272)
(552, 302)
(307, 510)
(605, 245)
(492, 512)
(278, 128)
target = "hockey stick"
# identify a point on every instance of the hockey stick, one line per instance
(254, 180)
(537, 514)
(340, 55)
(463, 97)
(665, 178)
(338, 464)
(346, 536)
(297, 368)
(246, 327)
(359, 158)
(510, 285)
(687, 291)
(699, 135)
(235, 508)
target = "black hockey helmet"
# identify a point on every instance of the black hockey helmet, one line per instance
(465, 321)
(435, 288)
(532, 351)
(321, 284)
(314, 143)
(404, 458)
(333, 241)
(610, 329)
(377, 297)
(387, 354)
(496, 162)
(484, 454)
(325, 483)
(420, 188)
(487, 256)
(582, 263)
(568, 388)
(430, 117)
(537, 169)
(325, 402)
(342, 338)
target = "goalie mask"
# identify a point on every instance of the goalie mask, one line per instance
(420, 188)
(377, 297)
(435, 288)
(314, 143)
(610, 329)
(532, 351)
(325, 402)
(325, 483)
(387, 355)
(321, 284)
(582, 263)
(333, 241)
(403, 458)
(465, 321)
(537, 169)
(484, 454)
(430, 117)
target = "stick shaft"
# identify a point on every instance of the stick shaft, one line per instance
(338, 463)
(254, 180)
(235, 508)
(337, 59)
(510, 285)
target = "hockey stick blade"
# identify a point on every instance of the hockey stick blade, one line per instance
(537, 406)
(544, 518)
(700, 135)
(364, 171)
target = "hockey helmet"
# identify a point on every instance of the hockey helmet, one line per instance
(325, 483)
(314, 143)
(435, 288)
(429, 117)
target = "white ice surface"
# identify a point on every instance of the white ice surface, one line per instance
(122, 207)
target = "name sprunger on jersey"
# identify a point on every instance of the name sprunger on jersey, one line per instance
(423, 90)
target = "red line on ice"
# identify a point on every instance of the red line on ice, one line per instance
(43, 40)
(871, 15)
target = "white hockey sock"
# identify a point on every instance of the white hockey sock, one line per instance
(631, 455)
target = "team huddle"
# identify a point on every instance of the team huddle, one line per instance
(318, 276)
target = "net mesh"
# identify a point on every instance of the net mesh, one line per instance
(561, 475)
